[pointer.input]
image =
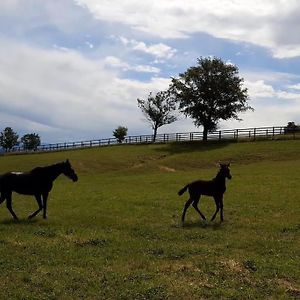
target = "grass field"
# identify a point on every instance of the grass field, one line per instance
(116, 233)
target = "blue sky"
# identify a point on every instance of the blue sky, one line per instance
(73, 69)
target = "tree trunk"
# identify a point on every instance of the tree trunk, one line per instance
(154, 133)
(205, 133)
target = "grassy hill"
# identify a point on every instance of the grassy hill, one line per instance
(116, 233)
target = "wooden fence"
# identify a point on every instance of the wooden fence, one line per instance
(277, 132)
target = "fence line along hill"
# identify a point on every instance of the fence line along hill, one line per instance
(241, 134)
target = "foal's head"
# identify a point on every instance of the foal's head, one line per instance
(225, 171)
(68, 170)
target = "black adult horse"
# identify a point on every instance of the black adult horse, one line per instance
(214, 188)
(38, 182)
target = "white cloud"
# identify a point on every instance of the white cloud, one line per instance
(271, 23)
(259, 89)
(160, 50)
(295, 86)
(115, 62)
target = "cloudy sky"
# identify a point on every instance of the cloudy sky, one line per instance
(73, 69)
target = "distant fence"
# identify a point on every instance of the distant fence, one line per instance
(277, 132)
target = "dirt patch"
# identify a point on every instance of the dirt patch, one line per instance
(290, 288)
(166, 169)
(233, 266)
(137, 166)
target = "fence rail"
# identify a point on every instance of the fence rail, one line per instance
(277, 132)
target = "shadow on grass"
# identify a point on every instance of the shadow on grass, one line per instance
(201, 224)
(19, 222)
(192, 146)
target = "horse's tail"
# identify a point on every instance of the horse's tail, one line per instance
(183, 190)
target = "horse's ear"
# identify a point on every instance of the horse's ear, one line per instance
(67, 161)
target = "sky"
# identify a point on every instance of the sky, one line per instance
(72, 70)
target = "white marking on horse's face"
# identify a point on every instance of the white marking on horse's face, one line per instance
(17, 173)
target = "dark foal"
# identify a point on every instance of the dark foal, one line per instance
(38, 182)
(214, 188)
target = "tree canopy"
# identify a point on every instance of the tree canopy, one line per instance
(8, 138)
(31, 141)
(120, 133)
(209, 92)
(158, 110)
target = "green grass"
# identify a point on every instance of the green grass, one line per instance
(116, 233)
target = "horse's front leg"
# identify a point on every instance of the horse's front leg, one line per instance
(39, 202)
(45, 198)
(9, 205)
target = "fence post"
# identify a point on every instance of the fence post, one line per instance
(237, 135)
(220, 135)
(294, 133)
(254, 133)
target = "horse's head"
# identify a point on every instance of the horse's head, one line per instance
(68, 171)
(225, 171)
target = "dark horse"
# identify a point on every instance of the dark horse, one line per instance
(214, 188)
(38, 182)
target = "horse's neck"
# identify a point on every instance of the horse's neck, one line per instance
(52, 172)
(220, 179)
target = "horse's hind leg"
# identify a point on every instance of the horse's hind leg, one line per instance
(39, 201)
(221, 207)
(195, 205)
(186, 206)
(217, 201)
(45, 197)
(9, 205)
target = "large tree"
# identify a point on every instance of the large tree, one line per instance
(209, 92)
(8, 138)
(158, 110)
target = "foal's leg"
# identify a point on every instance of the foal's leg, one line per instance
(45, 198)
(195, 205)
(217, 201)
(221, 207)
(186, 206)
(9, 205)
(39, 201)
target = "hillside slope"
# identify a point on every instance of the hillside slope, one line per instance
(175, 156)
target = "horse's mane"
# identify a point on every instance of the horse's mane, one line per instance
(41, 169)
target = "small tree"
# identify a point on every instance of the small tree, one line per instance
(158, 110)
(209, 92)
(120, 133)
(292, 127)
(8, 139)
(31, 141)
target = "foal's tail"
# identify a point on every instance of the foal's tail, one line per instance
(183, 190)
